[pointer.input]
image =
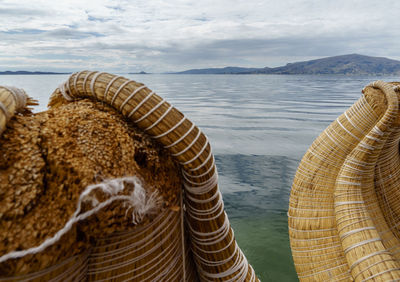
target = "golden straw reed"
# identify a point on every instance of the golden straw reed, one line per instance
(343, 209)
(66, 136)
(13, 100)
(206, 228)
(135, 101)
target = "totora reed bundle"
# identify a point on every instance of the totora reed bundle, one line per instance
(344, 209)
(111, 183)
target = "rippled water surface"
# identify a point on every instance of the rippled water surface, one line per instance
(259, 127)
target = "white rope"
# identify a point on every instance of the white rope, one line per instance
(206, 143)
(94, 81)
(85, 80)
(212, 166)
(159, 119)
(348, 202)
(380, 273)
(111, 187)
(119, 90)
(188, 146)
(326, 270)
(210, 184)
(109, 85)
(181, 138)
(151, 111)
(31, 276)
(136, 245)
(167, 267)
(19, 95)
(199, 201)
(359, 244)
(71, 272)
(211, 155)
(309, 251)
(171, 129)
(367, 257)
(206, 212)
(161, 240)
(370, 266)
(189, 181)
(217, 263)
(131, 96)
(163, 255)
(228, 245)
(63, 92)
(215, 233)
(141, 103)
(76, 80)
(240, 265)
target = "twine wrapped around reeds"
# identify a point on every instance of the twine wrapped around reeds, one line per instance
(12, 100)
(162, 248)
(344, 204)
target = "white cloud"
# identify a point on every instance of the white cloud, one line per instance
(175, 35)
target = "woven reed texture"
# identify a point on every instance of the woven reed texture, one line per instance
(150, 253)
(215, 250)
(206, 228)
(68, 135)
(344, 202)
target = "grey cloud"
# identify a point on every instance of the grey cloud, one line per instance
(248, 49)
(258, 52)
(18, 12)
(70, 33)
(23, 31)
(238, 52)
(118, 46)
(94, 19)
(172, 36)
(118, 8)
(27, 36)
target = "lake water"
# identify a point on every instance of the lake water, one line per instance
(259, 127)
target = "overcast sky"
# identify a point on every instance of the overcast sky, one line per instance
(173, 35)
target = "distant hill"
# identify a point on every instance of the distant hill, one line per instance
(352, 64)
(226, 70)
(30, 72)
(142, 72)
(347, 64)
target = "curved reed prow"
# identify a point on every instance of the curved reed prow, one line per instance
(339, 203)
(215, 250)
(12, 100)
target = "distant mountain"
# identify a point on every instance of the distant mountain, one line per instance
(226, 70)
(30, 72)
(347, 64)
(352, 64)
(142, 72)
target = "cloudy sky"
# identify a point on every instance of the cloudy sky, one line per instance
(173, 35)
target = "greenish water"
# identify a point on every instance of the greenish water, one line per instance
(256, 205)
(259, 127)
(264, 240)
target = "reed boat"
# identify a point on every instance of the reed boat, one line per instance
(344, 208)
(111, 183)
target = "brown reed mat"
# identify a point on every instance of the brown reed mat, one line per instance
(46, 160)
(344, 204)
(192, 222)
